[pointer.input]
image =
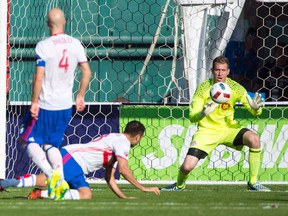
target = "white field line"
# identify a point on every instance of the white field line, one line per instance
(100, 181)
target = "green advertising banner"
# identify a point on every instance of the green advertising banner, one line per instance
(168, 137)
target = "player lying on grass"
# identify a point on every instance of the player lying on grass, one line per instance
(216, 125)
(81, 159)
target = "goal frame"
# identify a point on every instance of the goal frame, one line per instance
(166, 123)
(203, 2)
(3, 58)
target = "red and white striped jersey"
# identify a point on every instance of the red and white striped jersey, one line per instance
(98, 152)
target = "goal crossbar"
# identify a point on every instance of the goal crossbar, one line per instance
(203, 2)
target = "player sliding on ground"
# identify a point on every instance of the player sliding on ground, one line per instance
(216, 125)
(80, 159)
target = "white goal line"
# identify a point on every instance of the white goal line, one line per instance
(158, 182)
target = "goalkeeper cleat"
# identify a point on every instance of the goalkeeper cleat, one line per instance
(52, 183)
(61, 190)
(173, 187)
(257, 187)
(35, 194)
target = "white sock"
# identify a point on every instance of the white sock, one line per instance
(55, 159)
(44, 194)
(38, 156)
(72, 194)
(27, 180)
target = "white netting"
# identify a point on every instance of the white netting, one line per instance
(151, 55)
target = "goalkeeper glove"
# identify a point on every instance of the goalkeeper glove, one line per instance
(209, 108)
(256, 103)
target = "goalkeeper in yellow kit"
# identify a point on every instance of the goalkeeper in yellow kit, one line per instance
(216, 125)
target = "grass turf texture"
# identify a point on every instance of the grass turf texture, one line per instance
(208, 200)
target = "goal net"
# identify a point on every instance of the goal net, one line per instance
(147, 58)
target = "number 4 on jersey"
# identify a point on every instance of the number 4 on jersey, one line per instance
(64, 61)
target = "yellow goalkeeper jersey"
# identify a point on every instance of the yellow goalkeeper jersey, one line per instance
(223, 116)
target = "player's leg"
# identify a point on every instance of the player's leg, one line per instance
(191, 160)
(80, 193)
(244, 136)
(71, 194)
(203, 143)
(80, 189)
(188, 165)
(53, 155)
(58, 122)
(36, 153)
(252, 140)
(31, 138)
(27, 180)
(74, 175)
(85, 193)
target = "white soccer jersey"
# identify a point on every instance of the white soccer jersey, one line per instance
(96, 154)
(61, 54)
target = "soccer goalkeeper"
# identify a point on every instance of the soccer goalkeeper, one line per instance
(216, 125)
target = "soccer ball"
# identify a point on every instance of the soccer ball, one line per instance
(220, 92)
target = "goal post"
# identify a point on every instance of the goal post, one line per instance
(3, 67)
(202, 46)
(203, 2)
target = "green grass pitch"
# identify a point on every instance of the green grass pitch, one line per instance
(206, 200)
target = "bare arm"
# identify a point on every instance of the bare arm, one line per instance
(37, 87)
(128, 175)
(110, 179)
(84, 83)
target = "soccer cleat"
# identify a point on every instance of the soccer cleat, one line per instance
(61, 190)
(257, 187)
(35, 194)
(173, 187)
(52, 183)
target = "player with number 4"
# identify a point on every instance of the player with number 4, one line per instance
(216, 125)
(44, 125)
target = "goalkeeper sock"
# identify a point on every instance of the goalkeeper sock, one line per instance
(182, 177)
(254, 164)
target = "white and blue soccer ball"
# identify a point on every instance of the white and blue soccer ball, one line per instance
(220, 92)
